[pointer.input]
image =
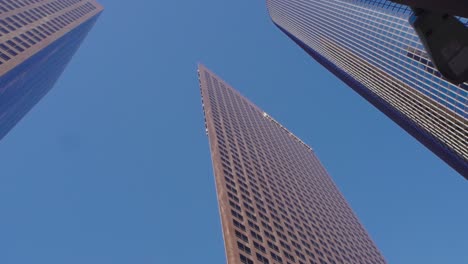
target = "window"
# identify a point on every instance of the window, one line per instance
(244, 248)
(238, 225)
(256, 236)
(254, 226)
(245, 260)
(289, 256)
(237, 215)
(8, 50)
(242, 236)
(259, 247)
(276, 257)
(273, 246)
(270, 236)
(262, 259)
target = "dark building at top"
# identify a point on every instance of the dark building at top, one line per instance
(370, 45)
(278, 205)
(37, 40)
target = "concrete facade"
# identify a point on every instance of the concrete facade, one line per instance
(277, 202)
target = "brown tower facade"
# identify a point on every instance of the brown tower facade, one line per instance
(277, 203)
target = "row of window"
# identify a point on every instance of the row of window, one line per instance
(386, 5)
(29, 16)
(231, 142)
(23, 41)
(273, 203)
(263, 184)
(10, 5)
(274, 211)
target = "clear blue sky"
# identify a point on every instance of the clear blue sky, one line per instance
(113, 166)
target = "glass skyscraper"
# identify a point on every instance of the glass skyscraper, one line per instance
(370, 45)
(278, 205)
(37, 40)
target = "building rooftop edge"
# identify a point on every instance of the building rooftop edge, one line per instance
(201, 66)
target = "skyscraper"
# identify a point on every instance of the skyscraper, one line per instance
(370, 45)
(277, 202)
(37, 40)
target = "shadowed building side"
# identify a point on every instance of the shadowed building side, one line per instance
(37, 41)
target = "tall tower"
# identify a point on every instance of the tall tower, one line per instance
(277, 202)
(37, 40)
(370, 45)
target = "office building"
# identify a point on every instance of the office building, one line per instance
(370, 45)
(37, 40)
(277, 202)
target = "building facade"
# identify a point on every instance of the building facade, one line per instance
(277, 203)
(370, 45)
(37, 40)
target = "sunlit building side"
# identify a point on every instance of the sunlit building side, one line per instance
(277, 202)
(370, 45)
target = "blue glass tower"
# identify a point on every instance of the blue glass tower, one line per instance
(370, 45)
(37, 40)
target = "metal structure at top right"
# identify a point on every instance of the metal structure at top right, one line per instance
(443, 35)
